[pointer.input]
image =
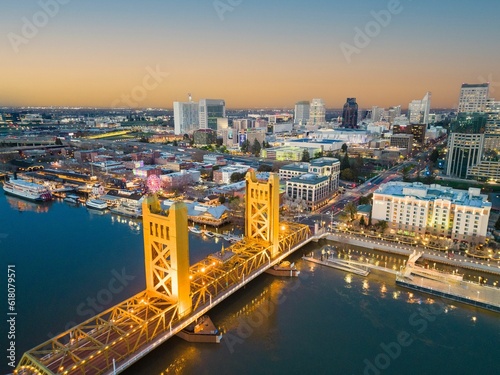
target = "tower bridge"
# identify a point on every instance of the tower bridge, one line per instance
(176, 293)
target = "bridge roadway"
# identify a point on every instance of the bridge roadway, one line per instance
(130, 330)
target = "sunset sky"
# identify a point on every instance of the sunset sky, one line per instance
(253, 54)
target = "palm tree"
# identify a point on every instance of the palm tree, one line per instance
(382, 226)
(351, 210)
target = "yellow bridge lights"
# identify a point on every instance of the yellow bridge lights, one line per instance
(166, 252)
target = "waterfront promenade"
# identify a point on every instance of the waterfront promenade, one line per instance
(403, 249)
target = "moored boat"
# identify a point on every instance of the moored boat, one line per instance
(27, 190)
(96, 204)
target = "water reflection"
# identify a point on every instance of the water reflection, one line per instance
(25, 205)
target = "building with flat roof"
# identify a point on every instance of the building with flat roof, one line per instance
(205, 137)
(316, 143)
(300, 183)
(287, 153)
(403, 141)
(350, 114)
(186, 119)
(209, 111)
(301, 114)
(312, 188)
(433, 210)
(223, 175)
(473, 97)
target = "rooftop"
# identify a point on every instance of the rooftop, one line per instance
(471, 197)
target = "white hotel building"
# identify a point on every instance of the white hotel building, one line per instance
(433, 210)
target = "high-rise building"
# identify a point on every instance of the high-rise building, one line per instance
(377, 113)
(317, 112)
(350, 114)
(209, 111)
(464, 152)
(489, 167)
(302, 110)
(418, 110)
(473, 97)
(185, 117)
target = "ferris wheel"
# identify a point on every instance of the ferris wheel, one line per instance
(153, 183)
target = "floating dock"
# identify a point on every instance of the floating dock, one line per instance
(284, 269)
(339, 264)
(203, 331)
(469, 293)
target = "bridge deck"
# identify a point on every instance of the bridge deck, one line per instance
(131, 329)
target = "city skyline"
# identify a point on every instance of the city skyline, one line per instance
(251, 54)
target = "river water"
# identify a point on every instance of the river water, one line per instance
(324, 322)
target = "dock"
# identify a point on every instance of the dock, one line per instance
(201, 331)
(469, 293)
(339, 264)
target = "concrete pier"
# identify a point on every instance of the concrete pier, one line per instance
(469, 293)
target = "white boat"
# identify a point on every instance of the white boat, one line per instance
(97, 204)
(126, 211)
(210, 234)
(72, 198)
(28, 190)
(195, 230)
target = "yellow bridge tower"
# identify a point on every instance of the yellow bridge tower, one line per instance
(262, 210)
(166, 252)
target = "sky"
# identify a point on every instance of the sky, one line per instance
(251, 53)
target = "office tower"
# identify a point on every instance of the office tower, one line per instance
(489, 167)
(185, 117)
(317, 112)
(301, 113)
(464, 152)
(350, 114)
(377, 113)
(473, 97)
(418, 110)
(209, 111)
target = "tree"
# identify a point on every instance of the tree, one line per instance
(265, 168)
(237, 177)
(497, 224)
(222, 199)
(318, 155)
(362, 221)
(345, 164)
(256, 147)
(348, 175)
(58, 142)
(344, 148)
(434, 156)
(305, 156)
(245, 146)
(175, 143)
(351, 209)
(382, 225)
(366, 200)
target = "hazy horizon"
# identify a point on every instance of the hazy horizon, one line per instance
(251, 54)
